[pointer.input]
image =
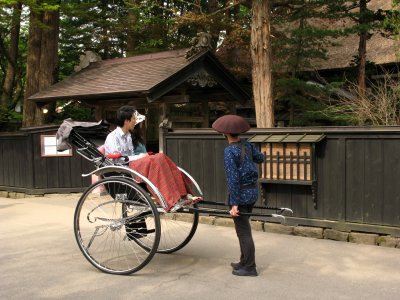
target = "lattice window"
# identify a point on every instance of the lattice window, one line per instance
(287, 161)
(290, 159)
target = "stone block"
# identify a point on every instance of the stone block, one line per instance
(257, 225)
(168, 216)
(207, 220)
(11, 195)
(20, 195)
(227, 222)
(336, 235)
(184, 217)
(388, 241)
(4, 194)
(278, 228)
(363, 238)
(313, 232)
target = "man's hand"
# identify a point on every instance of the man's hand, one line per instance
(234, 211)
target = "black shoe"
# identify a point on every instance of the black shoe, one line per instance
(245, 272)
(236, 266)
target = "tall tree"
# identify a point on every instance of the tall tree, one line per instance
(261, 63)
(362, 47)
(132, 40)
(302, 33)
(366, 22)
(42, 57)
(12, 56)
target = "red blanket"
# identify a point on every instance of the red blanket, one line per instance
(165, 175)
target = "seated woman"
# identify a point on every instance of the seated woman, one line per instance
(158, 168)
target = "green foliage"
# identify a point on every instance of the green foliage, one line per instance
(299, 28)
(92, 25)
(7, 115)
(301, 37)
(391, 22)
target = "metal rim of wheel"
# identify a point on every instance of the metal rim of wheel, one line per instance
(177, 229)
(100, 226)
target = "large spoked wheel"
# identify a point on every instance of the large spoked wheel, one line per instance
(177, 229)
(114, 218)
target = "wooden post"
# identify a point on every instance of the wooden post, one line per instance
(206, 114)
(163, 114)
(99, 112)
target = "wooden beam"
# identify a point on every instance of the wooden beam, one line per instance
(184, 119)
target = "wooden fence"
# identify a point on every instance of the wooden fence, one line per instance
(347, 180)
(24, 169)
(356, 174)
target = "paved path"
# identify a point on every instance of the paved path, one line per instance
(39, 259)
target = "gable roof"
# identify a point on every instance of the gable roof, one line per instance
(150, 75)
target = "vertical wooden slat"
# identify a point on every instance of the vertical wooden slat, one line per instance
(271, 164)
(28, 167)
(265, 166)
(355, 180)
(373, 186)
(64, 172)
(298, 161)
(291, 165)
(209, 180)
(300, 201)
(52, 173)
(220, 181)
(284, 161)
(283, 195)
(277, 166)
(40, 169)
(391, 187)
(196, 160)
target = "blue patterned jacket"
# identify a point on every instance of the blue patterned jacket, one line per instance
(242, 175)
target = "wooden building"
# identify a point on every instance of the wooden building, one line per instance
(160, 85)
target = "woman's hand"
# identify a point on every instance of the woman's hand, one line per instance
(234, 211)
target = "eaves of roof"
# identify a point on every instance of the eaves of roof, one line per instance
(150, 76)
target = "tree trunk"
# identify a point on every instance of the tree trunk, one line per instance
(41, 62)
(49, 57)
(261, 64)
(362, 50)
(9, 80)
(214, 30)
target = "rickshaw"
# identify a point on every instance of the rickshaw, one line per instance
(118, 224)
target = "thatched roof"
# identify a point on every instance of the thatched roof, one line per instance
(380, 50)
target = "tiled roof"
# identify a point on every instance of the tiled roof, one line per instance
(121, 77)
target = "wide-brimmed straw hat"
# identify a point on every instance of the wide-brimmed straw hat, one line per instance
(231, 124)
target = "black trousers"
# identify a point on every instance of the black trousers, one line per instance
(243, 231)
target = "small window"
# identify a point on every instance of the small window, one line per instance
(48, 145)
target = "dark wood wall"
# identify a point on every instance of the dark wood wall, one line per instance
(358, 170)
(22, 169)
